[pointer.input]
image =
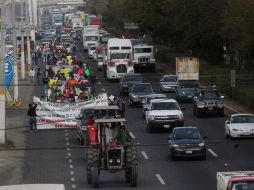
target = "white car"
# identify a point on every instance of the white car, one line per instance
(164, 113)
(239, 125)
(91, 51)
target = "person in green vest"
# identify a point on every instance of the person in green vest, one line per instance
(123, 136)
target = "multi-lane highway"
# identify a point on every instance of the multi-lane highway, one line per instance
(63, 162)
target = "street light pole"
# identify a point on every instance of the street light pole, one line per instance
(15, 62)
(28, 34)
(2, 75)
(22, 42)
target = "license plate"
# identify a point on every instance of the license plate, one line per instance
(166, 126)
(190, 96)
(210, 108)
(188, 152)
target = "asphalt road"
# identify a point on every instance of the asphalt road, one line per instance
(67, 165)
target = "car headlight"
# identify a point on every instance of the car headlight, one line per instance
(235, 129)
(151, 117)
(181, 116)
(125, 85)
(175, 145)
(201, 144)
(112, 72)
(110, 161)
(118, 160)
(200, 104)
(135, 97)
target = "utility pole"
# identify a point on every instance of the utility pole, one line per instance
(28, 34)
(15, 62)
(2, 75)
(23, 76)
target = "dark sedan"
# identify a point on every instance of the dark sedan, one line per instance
(127, 82)
(139, 92)
(185, 142)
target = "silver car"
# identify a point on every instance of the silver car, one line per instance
(168, 83)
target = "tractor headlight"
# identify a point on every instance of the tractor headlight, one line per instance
(118, 160)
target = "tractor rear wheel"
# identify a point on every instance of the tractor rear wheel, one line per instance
(131, 172)
(95, 176)
(92, 159)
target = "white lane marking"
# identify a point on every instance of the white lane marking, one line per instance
(71, 166)
(234, 110)
(67, 143)
(66, 130)
(66, 138)
(99, 83)
(69, 154)
(73, 186)
(66, 134)
(145, 155)
(72, 179)
(68, 149)
(212, 152)
(160, 179)
(72, 172)
(138, 143)
(70, 160)
(225, 164)
(132, 136)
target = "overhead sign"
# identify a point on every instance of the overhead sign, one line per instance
(53, 115)
(8, 71)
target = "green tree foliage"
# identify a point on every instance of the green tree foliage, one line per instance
(202, 26)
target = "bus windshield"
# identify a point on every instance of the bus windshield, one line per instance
(120, 56)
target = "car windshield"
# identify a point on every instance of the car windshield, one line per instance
(186, 134)
(209, 95)
(143, 50)
(243, 119)
(93, 48)
(243, 185)
(131, 78)
(120, 56)
(170, 79)
(165, 106)
(143, 88)
(91, 38)
(188, 85)
(148, 99)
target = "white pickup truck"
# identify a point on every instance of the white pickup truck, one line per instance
(237, 180)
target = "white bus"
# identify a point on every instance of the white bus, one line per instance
(119, 58)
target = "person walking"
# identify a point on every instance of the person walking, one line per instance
(45, 81)
(38, 74)
(32, 74)
(121, 105)
(32, 117)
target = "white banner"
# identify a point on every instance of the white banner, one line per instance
(52, 115)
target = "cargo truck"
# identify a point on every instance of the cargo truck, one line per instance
(91, 36)
(236, 180)
(143, 57)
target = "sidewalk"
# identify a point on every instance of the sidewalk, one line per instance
(231, 106)
(11, 161)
